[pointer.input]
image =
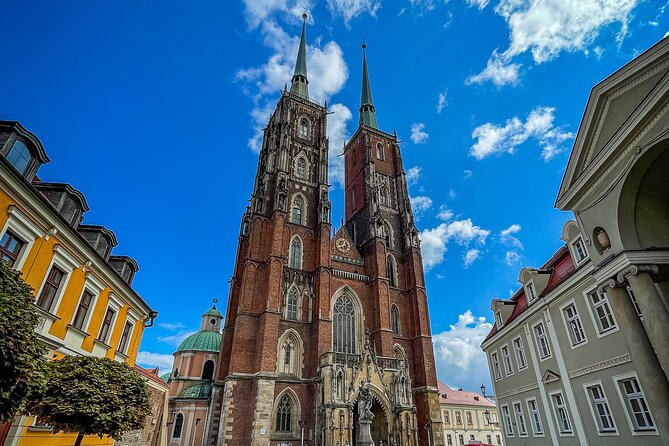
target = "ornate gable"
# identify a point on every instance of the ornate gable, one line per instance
(343, 249)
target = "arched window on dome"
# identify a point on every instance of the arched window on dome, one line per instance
(178, 426)
(295, 254)
(296, 215)
(208, 370)
(391, 272)
(395, 320)
(383, 197)
(292, 304)
(303, 129)
(284, 415)
(301, 168)
(345, 325)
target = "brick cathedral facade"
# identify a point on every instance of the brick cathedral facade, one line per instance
(312, 318)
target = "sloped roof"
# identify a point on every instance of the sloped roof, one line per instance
(461, 397)
(152, 374)
(204, 341)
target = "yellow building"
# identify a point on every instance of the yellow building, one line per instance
(83, 293)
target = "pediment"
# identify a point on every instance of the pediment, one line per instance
(616, 111)
(550, 376)
(343, 248)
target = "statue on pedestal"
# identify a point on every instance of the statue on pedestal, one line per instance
(365, 416)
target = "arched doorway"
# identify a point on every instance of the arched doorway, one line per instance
(380, 429)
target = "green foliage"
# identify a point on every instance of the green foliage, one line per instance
(22, 360)
(92, 396)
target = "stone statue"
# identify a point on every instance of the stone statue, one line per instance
(365, 403)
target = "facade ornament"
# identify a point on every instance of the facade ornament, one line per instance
(633, 270)
(365, 403)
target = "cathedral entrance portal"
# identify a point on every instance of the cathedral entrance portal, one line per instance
(378, 428)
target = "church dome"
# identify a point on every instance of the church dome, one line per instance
(202, 390)
(213, 311)
(203, 341)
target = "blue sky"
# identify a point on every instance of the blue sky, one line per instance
(152, 112)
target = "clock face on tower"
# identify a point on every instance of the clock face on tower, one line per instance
(343, 245)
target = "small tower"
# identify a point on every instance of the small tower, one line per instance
(192, 379)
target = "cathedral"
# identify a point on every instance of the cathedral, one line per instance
(326, 340)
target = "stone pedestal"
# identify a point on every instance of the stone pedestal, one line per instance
(364, 434)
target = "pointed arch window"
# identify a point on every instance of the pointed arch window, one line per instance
(392, 271)
(387, 235)
(380, 154)
(295, 254)
(303, 129)
(384, 200)
(298, 210)
(178, 425)
(301, 168)
(395, 320)
(345, 325)
(284, 415)
(208, 370)
(292, 304)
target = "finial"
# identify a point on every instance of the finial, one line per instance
(364, 45)
(304, 16)
(215, 302)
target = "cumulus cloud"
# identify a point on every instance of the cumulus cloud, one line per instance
(259, 10)
(413, 175)
(458, 355)
(434, 240)
(506, 236)
(497, 139)
(337, 134)
(445, 213)
(348, 9)
(418, 133)
(420, 204)
(470, 256)
(152, 360)
(511, 258)
(547, 28)
(441, 101)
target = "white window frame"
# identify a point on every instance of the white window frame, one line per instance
(558, 418)
(534, 415)
(520, 348)
(623, 400)
(568, 327)
(574, 250)
(25, 229)
(95, 287)
(114, 304)
(519, 415)
(506, 359)
(530, 292)
(592, 309)
(537, 338)
(496, 366)
(66, 263)
(508, 424)
(635, 303)
(595, 413)
(498, 318)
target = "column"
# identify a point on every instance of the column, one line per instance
(648, 368)
(655, 315)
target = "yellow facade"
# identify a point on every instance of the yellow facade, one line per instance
(48, 241)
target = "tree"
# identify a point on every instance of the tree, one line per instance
(22, 355)
(92, 396)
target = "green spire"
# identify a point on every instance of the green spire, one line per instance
(300, 82)
(367, 110)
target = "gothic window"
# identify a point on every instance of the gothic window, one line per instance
(345, 325)
(303, 129)
(208, 370)
(178, 425)
(387, 236)
(301, 168)
(379, 152)
(395, 320)
(392, 271)
(384, 197)
(284, 415)
(295, 255)
(19, 156)
(298, 208)
(291, 304)
(288, 351)
(289, 354)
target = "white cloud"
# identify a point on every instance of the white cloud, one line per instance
(441, 101)
(348, 9)
(434, 240)
(499, 71)
(452, 194)
(511, 258)
(419, 205)
(445, 213)
(418, 133)
(458, 354)
(152, 360)
(470, 256)
(467, 174)
(478, 3)
(171, 326)
(337, 134)
(176, 338)
(259, 10)
(413, 175)
(496, 139)
(506, 236)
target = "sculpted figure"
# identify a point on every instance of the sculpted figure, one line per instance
(365, 403)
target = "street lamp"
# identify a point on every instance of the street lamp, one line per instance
(483, 390)
(302, 424)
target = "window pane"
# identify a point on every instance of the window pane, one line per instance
(19, 156)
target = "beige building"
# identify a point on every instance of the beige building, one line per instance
(579, 355)
(468, 418)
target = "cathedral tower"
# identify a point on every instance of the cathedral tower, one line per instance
(317, 326)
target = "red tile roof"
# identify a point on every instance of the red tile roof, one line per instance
(561, 267)
(461, 397)
(152, 374)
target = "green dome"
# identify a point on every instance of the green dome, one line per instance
(213, 311)
(203, 341)
(202, 390)
(165, 376)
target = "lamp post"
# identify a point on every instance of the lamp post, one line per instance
(303, 424)
(487, 412)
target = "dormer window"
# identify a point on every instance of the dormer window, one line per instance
(572, 236)
(498, 319)
(579, 250)
(303, 129)
(19, 156)
(531, 292)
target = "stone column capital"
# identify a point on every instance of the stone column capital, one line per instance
(633, 270)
